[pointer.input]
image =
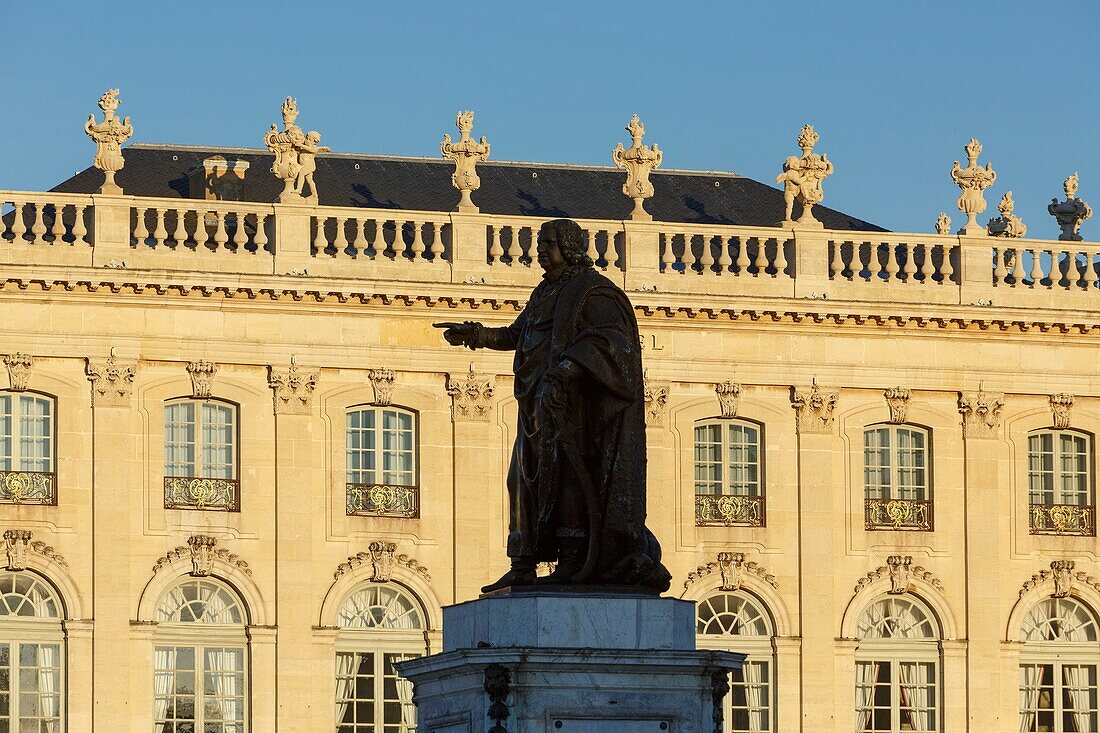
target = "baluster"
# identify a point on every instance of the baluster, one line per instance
(780, 257)
(927, 269)
(179, 234)
(515, 249)
(80, 229)
(761, 255)
(261, 232)
(159, 232)
(359, 241)
(1090, 271)
(141, 233)
(18, 226)
(999, 270)
(946, 269)
(706, 256)
(418, 241)
(340, 241)
(436, 249)
(1036, 267)
(39, 226)
(202, 226)
(742, 261)
(221, 236)
(399, 245)
(378, 242)
(612, 254)
(724, 259)
(690, 260)
(495, 250)
(910, 267)
(240, 236)
(1013, 264)
(836, 266)
(892, 268)
(668, 259)
(57, 230)
(592, 252)
(1063, 267)
(320, 242)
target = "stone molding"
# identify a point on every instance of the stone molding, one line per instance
(901, 571)
(19, 370)
(292, 389)
(383, 558)
(19, 543)
(382, 382)
(981, 413)
(471, 396)
(1061, 405)
(203, 553)
(112, 381)
(814, 409)
(656, 401)
(202, 378)
(1062, 574)
(897, 400)
(733, 569)
(729, 398)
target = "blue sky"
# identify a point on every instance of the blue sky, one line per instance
(894, 88)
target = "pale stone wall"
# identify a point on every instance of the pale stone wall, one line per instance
(293, 532)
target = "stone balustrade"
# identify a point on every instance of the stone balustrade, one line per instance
(302, 240)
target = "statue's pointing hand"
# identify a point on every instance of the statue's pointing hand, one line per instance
(460, 334)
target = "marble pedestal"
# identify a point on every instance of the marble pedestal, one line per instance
(569, 662)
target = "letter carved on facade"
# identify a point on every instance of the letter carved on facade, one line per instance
(381, 381)
(202, 554)
(972, 180)
(729, 397)
(981, 413)
(1007, 224)
(656, 400)
(1071, 213)
(111, 382)
(19, 370)
(897, 399)
(638, 161)
(814, 409)
(108, 137)
(295, 156)
(293, 389)
(471, 396)
(202, 378)
(465, 153)
(1060, 406)
(17, 542)
(802, 177)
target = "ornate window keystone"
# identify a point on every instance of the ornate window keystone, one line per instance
(1062, 573)
(202, 378)
(814, 409)
(465, 153)
(19, 370)
(111, 381)
(202, 554)
(293, 389)
(899, 573)
(17, 542)
(383, 559)
(729, 397)
(638, 161)
(897, 399)
(730, 565)
(471, 396)
(1060, 406)
(108, 137)
(734, 570)
(972, 181)
(981, 413)
(656, 400)
(382, 381)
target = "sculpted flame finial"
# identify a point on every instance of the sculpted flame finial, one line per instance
(973, 180)
(466, 153)
(1071, 213)
(638, 161)
(108, 137)
(802, 177)
(1007, 224)
(295, 156)
(943, 223)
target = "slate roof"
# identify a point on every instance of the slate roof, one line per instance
(510, 189)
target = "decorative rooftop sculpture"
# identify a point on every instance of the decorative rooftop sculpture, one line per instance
(1007, 224)
(639, 161)
(466, 154)
(943, 223)
(1071, 213)
(973, 180)
(295, 156)
(802, 177)
(108, 137)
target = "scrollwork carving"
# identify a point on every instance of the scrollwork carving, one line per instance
(382, 381)
(901, 571)
(981, 413)
(733, 569)
(471, 396)
(293, 389)
(111, 381)
(203, 552)
(814, 409)
(202, 378)
(897, 400)
(383, 558)
(19, 370)
(729, 397)
(656, 401)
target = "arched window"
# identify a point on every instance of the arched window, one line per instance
(32, 674)
(897, 667)
(737, 621)
(382, 462)
(1060, 483)
(200, 455)
(381, 624)
(896, 485)
(729, 476)
(27, 449)
(200, 660)
(1058, 667)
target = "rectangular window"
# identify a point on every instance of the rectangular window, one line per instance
(370, 696)
(200, 455)
(896, 696)
(381, 462)
(728, 481)
(1059, 474)
(27, 449)
(30, 687)
(896, 486)
(750, 698)
(199, 689)
(1058, 697)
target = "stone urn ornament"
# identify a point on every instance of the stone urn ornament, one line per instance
(1007, 224)
(466, 153)
(295, 156)
(638, 161)
(802, 177)
(108, 137)
(973, 180)
(1071, 213)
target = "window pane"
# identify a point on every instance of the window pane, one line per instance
(179, 439)
(6, 433)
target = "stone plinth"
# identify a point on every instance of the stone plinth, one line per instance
(569, 662)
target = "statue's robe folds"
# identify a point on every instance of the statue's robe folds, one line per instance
(589, 321)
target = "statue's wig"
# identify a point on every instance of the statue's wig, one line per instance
(570, 242)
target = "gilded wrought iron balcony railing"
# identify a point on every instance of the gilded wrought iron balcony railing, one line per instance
(28, 487)
(1063, 519)
(383, 500)
(190, 492)
(727, 510)
(898, 514)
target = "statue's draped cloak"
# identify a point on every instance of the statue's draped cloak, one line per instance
(589, 321)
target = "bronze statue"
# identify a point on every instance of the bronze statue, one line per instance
(577, 478)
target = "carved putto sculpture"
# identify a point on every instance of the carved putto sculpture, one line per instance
(802, 177)
(1007, 224)
(638, 161)
(973, 180)
(943, 223)
(108, 137)
(295, 156)
(1071, 213)
(466, 153)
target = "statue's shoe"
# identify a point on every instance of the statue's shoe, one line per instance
(515, 576)
(563, 574)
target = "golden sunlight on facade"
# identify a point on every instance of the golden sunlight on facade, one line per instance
(241, 474)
